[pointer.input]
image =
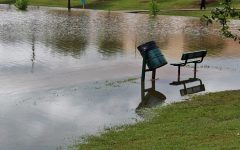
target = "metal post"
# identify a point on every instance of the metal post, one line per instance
(69, 5)
(143, 67)
(178, 74)
(143, 76)
(153, 78)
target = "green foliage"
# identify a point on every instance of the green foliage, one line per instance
(222, 15)
(154, 7)
(21, 4)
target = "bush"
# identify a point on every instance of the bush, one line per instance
(154, 7)
(21, 4)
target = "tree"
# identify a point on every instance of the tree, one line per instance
(223, 15)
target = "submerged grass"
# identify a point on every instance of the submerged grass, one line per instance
(210, 121)
(119, 82)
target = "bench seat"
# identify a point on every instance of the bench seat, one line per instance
(190, 57)
(184, 64)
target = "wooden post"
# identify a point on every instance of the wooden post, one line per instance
(69, 5)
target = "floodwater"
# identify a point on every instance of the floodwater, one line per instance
(67, 75)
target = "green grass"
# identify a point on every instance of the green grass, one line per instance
(167, 7)
(210, 121)
(121, 4)
(194, 13)
(7, 1)
(52, 3)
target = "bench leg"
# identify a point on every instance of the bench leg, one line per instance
(178, 73)
(195, 70)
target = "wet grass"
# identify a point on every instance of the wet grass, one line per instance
(116, 83)
(119, 82)
(210, 121)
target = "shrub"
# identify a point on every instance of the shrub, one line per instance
(21, 4)
(154, 7)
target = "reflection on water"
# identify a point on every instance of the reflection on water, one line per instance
(33, 53)
(51, 118)
(69, 33)
(54, 66)
(151, 98)
(110, 33)
(190, 90)
(193, 89)
(201, 38)
(214, 44)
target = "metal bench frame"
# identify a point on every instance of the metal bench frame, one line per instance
(190, 57)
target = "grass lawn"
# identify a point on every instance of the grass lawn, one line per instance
(194, 13)
(210, 121)
(167, 7)
(124, 4)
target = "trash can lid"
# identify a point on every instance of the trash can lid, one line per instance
(147, 46)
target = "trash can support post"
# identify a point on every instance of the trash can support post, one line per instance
(153, 78)
(143, 67)
(143, 76)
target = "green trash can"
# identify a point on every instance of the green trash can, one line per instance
(152, 55)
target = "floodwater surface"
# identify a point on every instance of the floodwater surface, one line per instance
(65, 75)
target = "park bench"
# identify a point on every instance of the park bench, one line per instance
(190, 57)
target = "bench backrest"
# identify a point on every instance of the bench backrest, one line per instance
(193, 55)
